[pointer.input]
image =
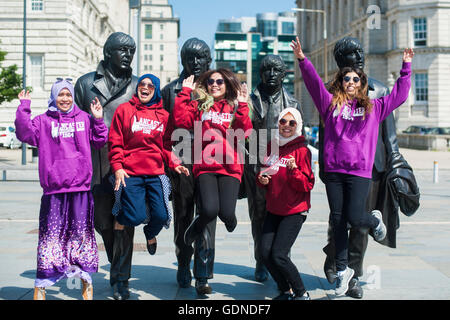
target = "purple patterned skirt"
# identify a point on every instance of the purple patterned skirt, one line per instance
(67, 245)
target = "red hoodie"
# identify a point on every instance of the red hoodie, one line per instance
(139, 139)
(288, 191)
(218, 155)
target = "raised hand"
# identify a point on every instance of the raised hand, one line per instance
(182, 170)
(189, 82)
(297, 48)
(96, 109)
(408, 55)
(24, 95)
(243, 93)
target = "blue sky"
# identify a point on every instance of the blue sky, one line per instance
(199, 18)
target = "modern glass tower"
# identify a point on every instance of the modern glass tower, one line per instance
(241, 43)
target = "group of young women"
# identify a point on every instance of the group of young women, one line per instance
(139, 143)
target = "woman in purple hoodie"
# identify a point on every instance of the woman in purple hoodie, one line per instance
(351, 130)
(63, 135)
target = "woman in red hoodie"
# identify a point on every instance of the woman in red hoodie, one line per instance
(139, 145)
(288, 179)
(221, 112)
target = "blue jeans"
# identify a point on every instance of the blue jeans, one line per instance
(139, 192)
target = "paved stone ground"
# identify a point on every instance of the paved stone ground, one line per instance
(419, 268)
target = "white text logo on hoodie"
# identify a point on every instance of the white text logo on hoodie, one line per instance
(66, 129)
(146, 125)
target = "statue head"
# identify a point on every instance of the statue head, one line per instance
(118, 52)
(348, 52)
(272, 71)
(195, 57)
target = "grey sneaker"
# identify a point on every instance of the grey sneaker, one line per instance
(379, 233)
(342, 280)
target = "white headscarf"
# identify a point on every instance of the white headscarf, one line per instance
(281, 141)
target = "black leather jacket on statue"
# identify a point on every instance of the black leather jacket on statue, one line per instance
(93, 85)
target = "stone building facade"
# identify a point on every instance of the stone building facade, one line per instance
(160, 31)
(385, 28)
(64, 39)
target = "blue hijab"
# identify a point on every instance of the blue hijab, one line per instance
(157, 93)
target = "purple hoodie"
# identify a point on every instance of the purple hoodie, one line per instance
(349, 141)
(63, 140)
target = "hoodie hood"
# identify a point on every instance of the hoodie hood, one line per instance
(157, 93)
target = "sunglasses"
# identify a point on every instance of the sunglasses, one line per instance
(218, 81)
(146, 85)
(292, 123)
(61, 79)
(355, 79)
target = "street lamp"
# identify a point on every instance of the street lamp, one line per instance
(24, 70)
(325, 56)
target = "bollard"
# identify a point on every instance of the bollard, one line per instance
(35, 155)
(316, 168)
(435, 172)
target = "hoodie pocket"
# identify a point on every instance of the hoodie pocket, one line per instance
(346, 155)
(72, 172)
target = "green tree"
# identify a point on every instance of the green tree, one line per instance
(10, 81)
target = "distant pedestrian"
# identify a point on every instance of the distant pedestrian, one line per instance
(63, 135)
(288, 179)
(351, 122)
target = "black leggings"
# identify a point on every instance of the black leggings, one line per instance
(347, 195)
(278, 237)
(217, 197)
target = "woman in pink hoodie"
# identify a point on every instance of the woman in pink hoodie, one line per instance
(63, 135)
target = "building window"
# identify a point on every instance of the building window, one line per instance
(287, 28)
(37, 5)
(421, 87)
(148, 31)
(161, 68)
(36, 75)
(161, 26)
(420, 32)
(150, 57)
(161, 47)
(161, 36)
(161, 58)
(268, 28)
(394, 35)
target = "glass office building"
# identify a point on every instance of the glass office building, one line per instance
(241, 43)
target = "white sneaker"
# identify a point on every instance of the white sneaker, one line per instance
(342, 280)
(379, 233)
